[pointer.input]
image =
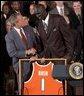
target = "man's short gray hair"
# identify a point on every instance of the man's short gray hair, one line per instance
(12, 18)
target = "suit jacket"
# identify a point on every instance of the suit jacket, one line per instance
(58, 41)
(16, 49)
(74, 21)
(77, 26)
(55, 10)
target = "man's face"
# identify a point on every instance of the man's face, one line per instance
(32, 9)
(77, 6)
(26, 21)
(16, 5)
(43, 3)
(20, 20)
(6, 9)
(41, 12)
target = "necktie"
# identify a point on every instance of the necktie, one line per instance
(79, 17)
(45, 26)
(24, 39)
(61, 11)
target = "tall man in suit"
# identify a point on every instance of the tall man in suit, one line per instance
(56, 38)
(20, 44)
(55, 34)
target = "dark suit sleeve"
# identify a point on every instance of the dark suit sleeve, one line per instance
(32, 36)
(11, 48)
(67, 36)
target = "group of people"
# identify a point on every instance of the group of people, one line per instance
(50, 30)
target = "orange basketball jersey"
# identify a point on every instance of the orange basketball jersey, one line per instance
(41, 81)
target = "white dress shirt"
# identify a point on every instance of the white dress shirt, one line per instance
(5, 16)
(45, 23)
(46, 20)
(18, 31)
(59, 9)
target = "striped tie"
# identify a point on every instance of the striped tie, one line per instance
(24, 39)
(45, 26)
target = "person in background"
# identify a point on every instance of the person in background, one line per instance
(9, 25)
(32, 17)
(2, 2)
(76, 14)
(76, 18)
(26, 21)
(32, 8)
(76, 24)
(43, 3)
(6, 11)
(46, 4)
(59, 7)
(16, 8)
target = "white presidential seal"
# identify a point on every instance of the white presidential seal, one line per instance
(76, 70)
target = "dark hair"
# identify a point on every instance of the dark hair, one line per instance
(5, 4)
(75, 1)
(14, 1)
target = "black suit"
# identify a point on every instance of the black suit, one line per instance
(58, 41)
(76, 24)
(55, 10)
(74, 21)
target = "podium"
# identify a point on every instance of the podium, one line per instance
(42, 90)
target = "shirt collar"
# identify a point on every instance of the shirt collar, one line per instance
(17, 29)
(46, 19)
(60, 8)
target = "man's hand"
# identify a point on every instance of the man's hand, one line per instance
(30, 51)
(43, 60)
(33, 58)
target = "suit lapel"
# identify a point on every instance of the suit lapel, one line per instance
(50, 25)
(41, 29)
(18, 39)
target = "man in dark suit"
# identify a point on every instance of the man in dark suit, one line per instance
(60, 7)
(76, 14)
(75, 18)
(56, 36)
(57, 39)
(20, 44)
